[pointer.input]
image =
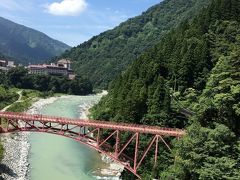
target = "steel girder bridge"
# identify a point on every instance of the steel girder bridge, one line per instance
(100, 135)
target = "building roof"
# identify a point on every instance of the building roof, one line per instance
(56, 67)
(2, 61)
(36, 66)
(64, 61)
(44, 66)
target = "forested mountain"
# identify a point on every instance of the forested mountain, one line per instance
(106, 55)
(27, 45)
(190, 80)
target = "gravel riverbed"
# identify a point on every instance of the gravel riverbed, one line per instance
(15, 165)
(15, 161)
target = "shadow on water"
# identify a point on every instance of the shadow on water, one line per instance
(6, 170)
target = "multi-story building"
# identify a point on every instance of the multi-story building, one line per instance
(61, 68)
(6, 65)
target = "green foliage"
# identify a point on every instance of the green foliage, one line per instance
(103, 57)
(7, 97)
(219, 101)
(19, 77)
(28, 97)
(27, 45)
(20, 106)
(1, 151)
(206, 154)
(180, 61)
(195, 66)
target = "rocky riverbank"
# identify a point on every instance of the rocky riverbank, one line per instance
(15, 164)
(112, 170)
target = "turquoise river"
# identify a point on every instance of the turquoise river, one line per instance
(53, 157)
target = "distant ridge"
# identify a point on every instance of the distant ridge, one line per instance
(27, 45)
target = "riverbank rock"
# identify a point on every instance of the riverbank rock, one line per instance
(15, 162)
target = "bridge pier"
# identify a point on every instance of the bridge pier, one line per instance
(136, 153)
(156, 151)
(117, 144)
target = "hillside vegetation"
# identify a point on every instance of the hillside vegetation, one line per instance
(7, 96)
(26, 45)
(104, 56)
(190, 80)
(18, 77)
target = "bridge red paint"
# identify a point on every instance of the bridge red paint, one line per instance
(101, 135)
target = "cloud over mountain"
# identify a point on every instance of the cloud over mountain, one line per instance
(67, 7)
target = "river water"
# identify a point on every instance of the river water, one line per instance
(52, 157)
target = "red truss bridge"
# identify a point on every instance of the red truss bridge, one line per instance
(100, 135)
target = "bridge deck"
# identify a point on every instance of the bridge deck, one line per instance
(95, 123)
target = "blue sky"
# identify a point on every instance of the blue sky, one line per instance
(72, 21)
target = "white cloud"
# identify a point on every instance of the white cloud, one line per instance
(67, 7)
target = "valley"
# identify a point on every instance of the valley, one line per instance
(174, 69)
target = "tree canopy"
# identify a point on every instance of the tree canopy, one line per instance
(189, 80)
(19, 77)
(105, 56)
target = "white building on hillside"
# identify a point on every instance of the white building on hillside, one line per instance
(61, 68)
(5, 65)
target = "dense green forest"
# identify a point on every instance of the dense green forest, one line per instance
(104, 56)
(18, 77)
(26, 45)
(190, 80)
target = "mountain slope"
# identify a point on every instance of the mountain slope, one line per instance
(26, 44)
(195, 67)
(106, 55)
(181, 63)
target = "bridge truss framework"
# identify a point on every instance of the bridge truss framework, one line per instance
(100, 135)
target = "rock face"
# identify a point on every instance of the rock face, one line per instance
(114, 169)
